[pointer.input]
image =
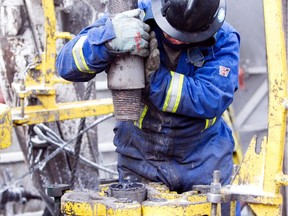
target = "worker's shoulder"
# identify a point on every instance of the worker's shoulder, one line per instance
(227, 30)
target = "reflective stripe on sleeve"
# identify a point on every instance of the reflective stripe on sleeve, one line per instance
(79, 57)
(174, 93)
(140, 121)
(209, 123)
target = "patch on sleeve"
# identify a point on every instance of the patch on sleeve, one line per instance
(224, 71)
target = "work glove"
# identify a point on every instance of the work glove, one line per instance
(152, 62)
(132, 34)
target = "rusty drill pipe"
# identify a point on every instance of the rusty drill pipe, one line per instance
(126, 74)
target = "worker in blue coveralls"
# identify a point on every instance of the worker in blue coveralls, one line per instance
(191, 65)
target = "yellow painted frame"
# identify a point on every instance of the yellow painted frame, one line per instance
(42, 86)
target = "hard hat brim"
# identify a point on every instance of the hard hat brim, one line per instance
(189, 37)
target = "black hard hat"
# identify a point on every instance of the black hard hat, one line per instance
(189, 21)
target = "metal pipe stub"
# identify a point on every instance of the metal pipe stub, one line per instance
(131, 191)
(126, 74)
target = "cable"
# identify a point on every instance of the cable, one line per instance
(40, 133)
(41, 164)
(57, 151)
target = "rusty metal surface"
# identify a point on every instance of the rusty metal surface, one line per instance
(127, 104)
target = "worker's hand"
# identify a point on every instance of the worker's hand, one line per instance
(152, 62)
(132, 34)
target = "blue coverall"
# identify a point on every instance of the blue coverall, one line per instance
(180, 138)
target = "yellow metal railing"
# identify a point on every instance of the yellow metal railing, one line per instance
(277, 74)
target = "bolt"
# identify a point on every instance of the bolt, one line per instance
(216, 185)
(216, 176)
(215, 189)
